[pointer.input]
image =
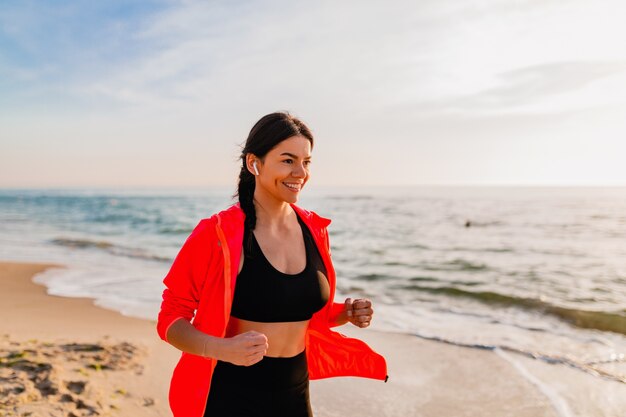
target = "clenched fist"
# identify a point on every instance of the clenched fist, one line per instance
(359, 311)
(244, 349)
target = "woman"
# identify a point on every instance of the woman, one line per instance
(258, 281)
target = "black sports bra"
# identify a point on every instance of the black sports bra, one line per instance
(264, 294)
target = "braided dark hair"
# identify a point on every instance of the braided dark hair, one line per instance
(268, 132)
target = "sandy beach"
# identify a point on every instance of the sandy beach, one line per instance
(66, 357)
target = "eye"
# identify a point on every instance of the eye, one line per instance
(290, 161)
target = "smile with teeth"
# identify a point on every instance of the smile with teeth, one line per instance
(293, 187)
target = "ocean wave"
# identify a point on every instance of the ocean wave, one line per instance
(138, 254)
(175, 230)
(587, 367)
(371, 277)
(421, 278)
(598, 320)
(123, 218)
(492, 250)
(457, 264)
(81, 243)
(109, 247)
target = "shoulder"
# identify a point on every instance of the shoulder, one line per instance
(231, 214)
(229, 220)
(206, 227)
(201, 234)
(203, 227)
(311, 217)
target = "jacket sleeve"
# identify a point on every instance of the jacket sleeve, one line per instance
(185, 279)
(335, 310)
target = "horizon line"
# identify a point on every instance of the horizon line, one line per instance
(234, 186)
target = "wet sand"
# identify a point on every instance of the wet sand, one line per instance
(66, 357)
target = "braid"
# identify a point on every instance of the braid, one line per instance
(245, 191)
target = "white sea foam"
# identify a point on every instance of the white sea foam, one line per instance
(559, 404)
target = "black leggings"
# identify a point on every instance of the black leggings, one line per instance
(273, 387)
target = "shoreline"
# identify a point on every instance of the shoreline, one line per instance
(123, 368)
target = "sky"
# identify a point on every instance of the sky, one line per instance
(430, 92)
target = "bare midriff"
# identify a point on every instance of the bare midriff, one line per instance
(284, 339)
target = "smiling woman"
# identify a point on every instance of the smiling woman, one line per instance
(258, 281)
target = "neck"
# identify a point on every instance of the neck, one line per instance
(271, 212)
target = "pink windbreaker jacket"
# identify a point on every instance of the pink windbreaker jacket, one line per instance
(200, 287)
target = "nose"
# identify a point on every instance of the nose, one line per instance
(299, 171)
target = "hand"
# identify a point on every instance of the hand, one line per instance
(244, 349)
(359, 311)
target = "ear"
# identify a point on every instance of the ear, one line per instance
(250, 158)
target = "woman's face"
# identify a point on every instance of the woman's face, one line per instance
(284, 170)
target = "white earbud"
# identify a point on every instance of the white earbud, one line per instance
(255, 168)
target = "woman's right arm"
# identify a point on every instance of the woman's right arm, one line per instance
(183, 336)
(184, 281)
(243, 349)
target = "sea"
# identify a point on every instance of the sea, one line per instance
(540, 271)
